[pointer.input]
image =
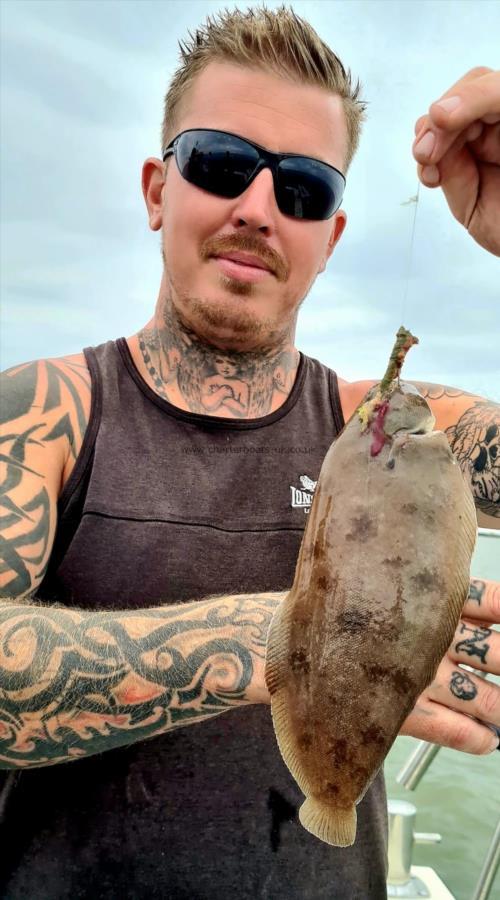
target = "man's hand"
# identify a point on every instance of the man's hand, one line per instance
(457, 146)
(452, 709)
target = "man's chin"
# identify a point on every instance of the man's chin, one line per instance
(229, 327)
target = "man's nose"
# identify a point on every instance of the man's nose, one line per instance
(256, 206)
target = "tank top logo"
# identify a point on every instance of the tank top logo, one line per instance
(303, 497)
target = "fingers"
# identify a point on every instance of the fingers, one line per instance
(458, 118)
(453, 163)
(419, 125)
(458, 706)
(455, 168)
(471, 133)
(483, 601)
(465, 692)
(478, 89)
(474, 131)
(476, 645)
(437, 724)
(475, 97)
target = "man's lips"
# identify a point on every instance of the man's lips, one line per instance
(242, 268)
(245, 259)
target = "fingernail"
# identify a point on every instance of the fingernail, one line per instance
(430, 174)
(425, 145)
(449, 104)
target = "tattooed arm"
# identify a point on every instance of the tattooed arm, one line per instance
(45, 409)
(74, 683)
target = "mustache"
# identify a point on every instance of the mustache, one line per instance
(226, 243)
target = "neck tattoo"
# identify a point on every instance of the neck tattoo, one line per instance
(157, 381)
(185, 371)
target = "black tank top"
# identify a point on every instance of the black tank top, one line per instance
(166, 506)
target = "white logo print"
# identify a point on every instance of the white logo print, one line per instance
(302, 499)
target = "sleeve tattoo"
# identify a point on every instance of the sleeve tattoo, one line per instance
(76, 683)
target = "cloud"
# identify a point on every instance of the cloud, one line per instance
(83, 86)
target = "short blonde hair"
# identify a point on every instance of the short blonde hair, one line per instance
(270, 40)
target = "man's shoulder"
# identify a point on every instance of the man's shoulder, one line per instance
(40, 385)
(69, 361)
(49, 399)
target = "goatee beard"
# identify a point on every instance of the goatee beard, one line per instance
(223, 324)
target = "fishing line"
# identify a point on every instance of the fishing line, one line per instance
(414, 200)
(410, 251)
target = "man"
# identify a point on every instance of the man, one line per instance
(128, 503)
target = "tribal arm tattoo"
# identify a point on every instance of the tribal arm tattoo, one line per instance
(45, 407)
(75, 683)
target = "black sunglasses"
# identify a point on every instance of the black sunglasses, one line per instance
(225, 164)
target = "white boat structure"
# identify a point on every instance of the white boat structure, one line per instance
(415, 882)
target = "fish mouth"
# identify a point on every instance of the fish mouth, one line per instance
(425, 427)
(408, 412)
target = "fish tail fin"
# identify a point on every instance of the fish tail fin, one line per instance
(333, 825)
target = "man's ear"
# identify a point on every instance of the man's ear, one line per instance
(153, 180)
(339, 223)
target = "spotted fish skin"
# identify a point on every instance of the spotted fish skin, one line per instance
(381, 579)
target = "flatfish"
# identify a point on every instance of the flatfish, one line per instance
(380, 583)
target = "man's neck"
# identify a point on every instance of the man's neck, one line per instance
(196, 376)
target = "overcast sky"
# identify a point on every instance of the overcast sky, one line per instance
(82, 91)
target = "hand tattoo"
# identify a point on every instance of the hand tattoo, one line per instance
(462, 687)
(471, 645)
(476, 590)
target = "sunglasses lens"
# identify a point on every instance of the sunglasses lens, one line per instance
(308, 189)
(219, 163)
(224, 164)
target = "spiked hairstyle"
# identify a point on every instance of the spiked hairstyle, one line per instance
(275, 41)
